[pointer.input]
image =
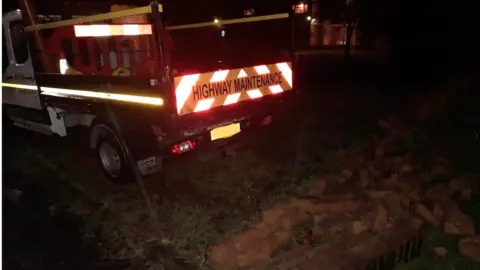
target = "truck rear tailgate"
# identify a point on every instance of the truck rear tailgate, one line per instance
(199, 92)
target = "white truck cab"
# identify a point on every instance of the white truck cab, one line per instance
(19, 70)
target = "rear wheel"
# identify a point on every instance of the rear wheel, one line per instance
(111, 156)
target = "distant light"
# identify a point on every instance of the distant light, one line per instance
(63, 66)
(216, 20)
(309, 18)
(222, 33)
(300, 8)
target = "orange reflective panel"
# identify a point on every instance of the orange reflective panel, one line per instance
(204, 105)
(254, 94)
(201, 92)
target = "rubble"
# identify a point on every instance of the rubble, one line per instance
(319, 188)
(391, 192)
(326, 206)
(450, 209)
(441, 251)
(465, 184)
(389, 181)
(426, 214)
(439, 192)
(466, 193)
(358, 227)
(437, 211)
(424, 176)
(440, 166)
(438, 170)
(283, 216)
(461, 225)
(344, 176)
(413, 191)
(223, 255)
(406, 168)
(377, 193)
(385, 123)
(450, 228)
(365, 177)
(470, 247)
(381, 220)
(391, 222)
(394, 206)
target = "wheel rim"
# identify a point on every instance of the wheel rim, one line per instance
(110, 159)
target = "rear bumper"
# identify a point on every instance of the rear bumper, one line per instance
(191, 125)
(206, 148)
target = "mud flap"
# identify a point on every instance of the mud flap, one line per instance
(143, 145)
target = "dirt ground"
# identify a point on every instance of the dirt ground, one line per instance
(83, 222)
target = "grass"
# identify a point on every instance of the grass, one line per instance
(429, 260)
(199, 204)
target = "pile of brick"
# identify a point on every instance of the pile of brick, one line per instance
(377, 192)
(368, 197)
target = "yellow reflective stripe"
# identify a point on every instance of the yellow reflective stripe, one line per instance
(233, 21)
(82, 93)
(94, 18)
(51, 91)
(20, 86)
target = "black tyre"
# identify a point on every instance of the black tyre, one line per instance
(112, 158)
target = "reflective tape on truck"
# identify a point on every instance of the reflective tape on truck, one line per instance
(201, 92)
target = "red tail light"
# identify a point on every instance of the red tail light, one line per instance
(183, 147)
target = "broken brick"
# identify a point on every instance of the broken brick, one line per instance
(344, 176)
(424, 176)
(426, 214)
(462, 225)
(450, 209)
(438, 170)
(437, 211)
(465, 184)
(450, 228)
(413, 191)
(466, 193)
(327, 207)
(364, 177)
(377, 193)
(381, 220)
(358, 227)
(470, 247)
(222, 256)
(394, 206)
(441, 251)
(252, 247)
(318, 188)
(439, 192)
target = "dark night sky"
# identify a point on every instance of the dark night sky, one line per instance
(181, 8)
(428, 24)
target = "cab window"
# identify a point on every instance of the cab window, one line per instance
(19, 42)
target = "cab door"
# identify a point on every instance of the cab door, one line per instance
(18, 84)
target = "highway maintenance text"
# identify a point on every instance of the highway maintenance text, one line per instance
(226, 87)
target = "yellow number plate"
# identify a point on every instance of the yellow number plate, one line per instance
(225, 131)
